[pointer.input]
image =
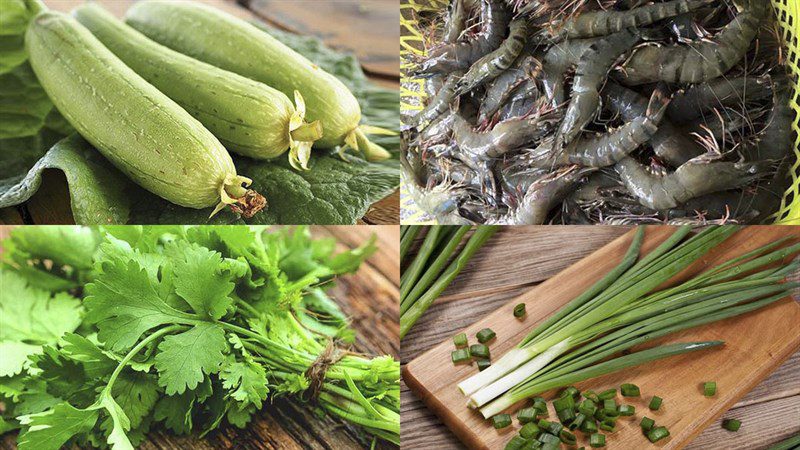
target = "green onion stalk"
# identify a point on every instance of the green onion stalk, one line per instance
(621, 311)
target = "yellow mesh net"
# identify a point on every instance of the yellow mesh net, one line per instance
(412, 94)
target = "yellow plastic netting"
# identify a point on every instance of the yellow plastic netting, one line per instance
(412, 94)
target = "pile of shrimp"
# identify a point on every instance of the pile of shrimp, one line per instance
(581, 111)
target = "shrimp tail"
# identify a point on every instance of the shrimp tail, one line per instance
(657, 106)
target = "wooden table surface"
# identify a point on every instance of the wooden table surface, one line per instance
(503, 269)
(367, 28)
(371, 298)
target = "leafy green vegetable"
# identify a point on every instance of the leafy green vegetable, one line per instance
(180, 327)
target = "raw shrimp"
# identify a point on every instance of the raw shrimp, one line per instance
(505, 136)
(692, 179)
(504, 85)
(558, 59)
(700, 61)
(775, 140)
(591, 71)
(720, 92)
(490, 66)
(602, 23)
(542, 195)
(525, 98)
(461, 55)
(671, 144)
(455, 24)
(440, 102)
(609, 148)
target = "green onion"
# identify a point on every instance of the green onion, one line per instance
(610, 405)
(519, 310)
(460, 340)
(731, 424)
(657, 433)
(551, 427)
(529, 431)
(709, 388)
(608, 425)
(789, 444)
(567, 437)
(549, 438)
(647, 423)
(485, 335)
(501, 421)
(426, 251)
(589, 426)
(479, 351)
(419, 300)
(565, 408)
(627, 410)
(460, 356)
(591, 395)
(587, 407)
(577, 421)
(408, 239)
(629, 390)
(607, 394)
(483, 364)
(597, 440)
(541, 406)
(516, 443)
(655, 403)
(527, 415)
(572, 391)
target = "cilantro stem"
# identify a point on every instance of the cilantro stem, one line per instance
(124, 362)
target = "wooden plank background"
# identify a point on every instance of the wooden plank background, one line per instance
(367, 28)
(504, 270)
(371, 298)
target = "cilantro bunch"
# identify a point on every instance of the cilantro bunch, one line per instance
(108, 332)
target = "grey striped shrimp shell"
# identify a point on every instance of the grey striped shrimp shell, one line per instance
(558, 59)
(439, 103)
(720, 92)
(499, 90)
(457, 13)
(775, 140)
(670, 143)
(699, 61)
(493, 64)
(692, 179)
(602, 23)
(505, 136)
(590, 73)
(461, 55)
(542, 196)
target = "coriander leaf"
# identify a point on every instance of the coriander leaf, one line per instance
(239, 416)
(117, 438)
(15, 357)
(349, 261)
(176, 410)
(64, 245)
(136, 393)
(96, 363)
(51, 429)
(63, 377)
(247, 380)
(184, 358)
(31, 315)
(124, 304)
(199, 281)
(7, 425)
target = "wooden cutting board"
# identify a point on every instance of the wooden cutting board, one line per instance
(756, 344)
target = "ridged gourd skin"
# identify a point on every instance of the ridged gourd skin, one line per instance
(230, 43)
(140, 130)
(249, 117)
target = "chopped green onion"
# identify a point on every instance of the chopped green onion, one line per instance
(608, 425)
(533, 444)
(627, 410)
(501, 421)
(551, 427)
(731, 424)
(567, 437)
(516, 443)
(793, 443)
(485, 335)
(519, 310)
(587, 407)
(460, 340)
(571, 391)
(589, 426)
(577, 421)
(591, 395)
(483, 364)
(647, 423)
(610, 404)
(479, 351)
(657, 433)
(541, 406)
(460, 356)
(655, 403)
(607, 394)
(565, 408)
(527, 415)
(630, 390)
(530, 431)
(709, 388)
(548, 438)
(597, 440)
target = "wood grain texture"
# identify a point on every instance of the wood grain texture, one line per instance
(368, 28)
(370, 297)
(421, 429)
